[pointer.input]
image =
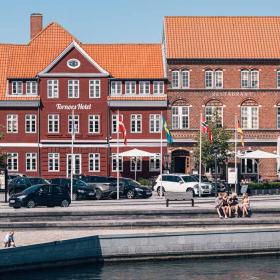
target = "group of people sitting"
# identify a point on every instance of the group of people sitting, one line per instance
(228, 207)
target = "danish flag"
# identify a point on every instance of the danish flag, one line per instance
(206, 129)
(122, 129)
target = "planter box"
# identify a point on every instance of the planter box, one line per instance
(265, 191)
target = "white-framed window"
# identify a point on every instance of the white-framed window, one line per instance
(94, 162)
(31, 161)
(73, 89)
(209, 79)
(155, 123)
(53, 162)
(135, 162)
(144, 87)
(250, 117)
(12, 161)
(185, 77)
(214, 114)
(94, 89)
(158, 87)
(114, 127)
(52, 88)
(130, 87)
(214, 79)
(77, 164)
(114, 163)
(31, 88)
(278, 117)
(17, 88)
(73, 63)
(30, 123)
(180, 117)
(94, 124)
(278, 78)
(218, 79)
(75, 122)
(12, 123)
(136, 123)
(116, 88)
(154, 164)
(175, 79)
(53, 123)
(249, 79)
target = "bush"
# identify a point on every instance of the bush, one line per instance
(144, 181)
(266, 185)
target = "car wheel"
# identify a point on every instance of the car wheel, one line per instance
(158, 191)
(191, 190)
(75, 196)
(98, 194)
(65, 203)
(30, 204)
(130, 194)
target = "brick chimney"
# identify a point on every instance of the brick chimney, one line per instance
(36, 24)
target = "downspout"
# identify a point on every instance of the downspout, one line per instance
(109, 131)
(39, 129)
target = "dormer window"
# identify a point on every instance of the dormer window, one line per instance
(31, 88)
(73, 63)
(17, 88)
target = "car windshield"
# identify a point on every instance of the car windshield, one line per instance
(203, 178)
(36, 181)
(133, 183)
(80, 183)
(31, 189)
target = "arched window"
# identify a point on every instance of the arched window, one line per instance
(214, 112)
(249, 114)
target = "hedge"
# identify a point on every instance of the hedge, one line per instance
(266, 185)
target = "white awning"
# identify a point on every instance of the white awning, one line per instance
(137, 153)
(258, 154)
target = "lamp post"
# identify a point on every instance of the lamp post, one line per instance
(215, 151)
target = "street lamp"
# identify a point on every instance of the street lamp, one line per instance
(216, 151)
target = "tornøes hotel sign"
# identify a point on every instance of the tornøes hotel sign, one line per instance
(79, 106)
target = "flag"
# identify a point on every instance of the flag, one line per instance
(167, 131)
(206, 129)
(240, 131)
(122, 129)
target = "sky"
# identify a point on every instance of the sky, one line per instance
(118, 21)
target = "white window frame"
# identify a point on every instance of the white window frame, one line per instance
(114, 163)
(94, 162)
(12, 122)
(53, 162)
(93, 119)
(134, 120)
(75, 156)
(278, 79)
(144, 87)
(12, 162)
(52, 89)
(155, 123)
(250, 78)
(187, 72)
(209, 78)
(249, 117)
(138, 164)
(76, 125)
(114, 123)
(278, 117)
(175, 79)
(153, 163)
(94, 89)
(209, 117)
(130, 87)
(116, 88)
(178, 118)
(32, 158)
(32, 119)
(219, 79)
(158, 87)
(253, 72)
(31, 88)
(73, 89)
(52, 119)
(17, 88)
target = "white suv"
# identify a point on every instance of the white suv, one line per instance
(181, 183)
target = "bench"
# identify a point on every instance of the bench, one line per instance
(178, 196)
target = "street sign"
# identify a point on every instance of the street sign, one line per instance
(232, 175)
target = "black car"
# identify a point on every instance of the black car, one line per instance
(81, 189)
(41, 195)
(19, 184)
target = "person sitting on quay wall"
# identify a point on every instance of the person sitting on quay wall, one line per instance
(9, 240)
(219, 204)
(233, 205)
(225, 205)
(245, 205)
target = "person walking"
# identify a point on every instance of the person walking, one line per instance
(9, 240)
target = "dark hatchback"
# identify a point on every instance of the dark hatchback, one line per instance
(81, 190)
(41, 195)
(19, 184)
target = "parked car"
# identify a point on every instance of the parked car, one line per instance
(41, 195)
(130, 188)
(181, 183)
(19, 184)
(12, 176)
(81, 190)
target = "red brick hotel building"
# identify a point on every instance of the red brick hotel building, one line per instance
(228, 65)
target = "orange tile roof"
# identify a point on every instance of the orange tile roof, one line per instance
(222, 37)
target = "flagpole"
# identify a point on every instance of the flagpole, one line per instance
(118, 150)
(200, 156)
(161, 122)
(72, 156)
(235, 152)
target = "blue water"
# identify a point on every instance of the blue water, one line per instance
(253, 268)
